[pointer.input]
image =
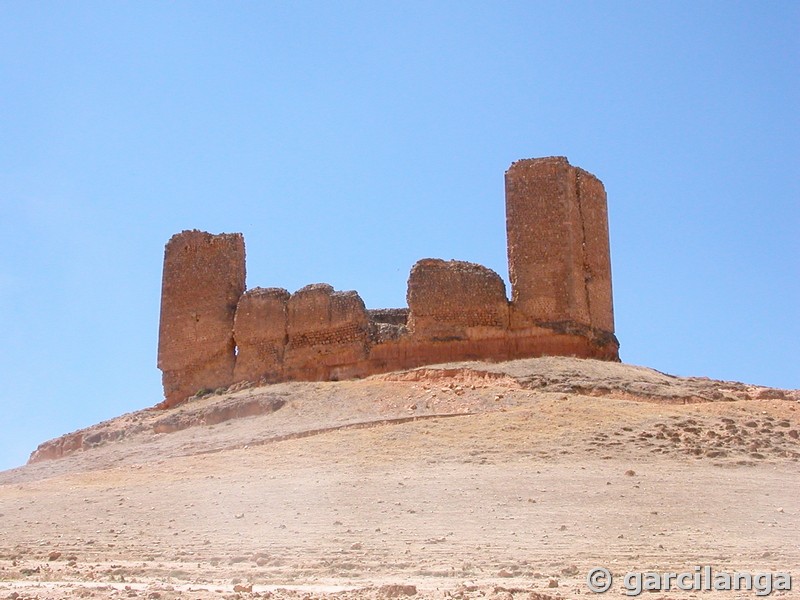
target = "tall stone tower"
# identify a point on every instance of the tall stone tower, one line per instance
(204, 276)
(558, 250)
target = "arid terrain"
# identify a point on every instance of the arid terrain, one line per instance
(471, 480)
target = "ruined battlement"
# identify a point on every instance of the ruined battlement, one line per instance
(214, 332)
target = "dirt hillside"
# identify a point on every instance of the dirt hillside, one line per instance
(472, 480)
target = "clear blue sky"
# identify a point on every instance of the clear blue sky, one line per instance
(346, 140)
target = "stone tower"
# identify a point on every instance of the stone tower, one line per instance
(558, 250)
(204, 276)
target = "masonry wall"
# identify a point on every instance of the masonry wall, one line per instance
(260, 334)
(327, 332)
(450, 300)
(203, 278)
(213, 333)
(558, 250)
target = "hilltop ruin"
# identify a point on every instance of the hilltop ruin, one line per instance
(214, 332)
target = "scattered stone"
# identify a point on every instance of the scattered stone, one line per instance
(397, 590)
(570, 571)
(436, 540)
(539, 596)
(54, 555)
(553, 583)
(504, 573)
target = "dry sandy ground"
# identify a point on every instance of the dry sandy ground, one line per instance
(504, 481)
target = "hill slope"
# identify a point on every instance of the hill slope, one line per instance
(466, 479)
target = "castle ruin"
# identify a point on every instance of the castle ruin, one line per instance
(214, 332)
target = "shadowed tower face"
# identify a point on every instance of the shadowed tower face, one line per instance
(558, 250)
(204, 277)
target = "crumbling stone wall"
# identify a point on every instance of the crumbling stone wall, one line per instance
(558, 251)
(326, 329)
(213, 334)
(204, 276)
(455, 300)
(260, 333)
